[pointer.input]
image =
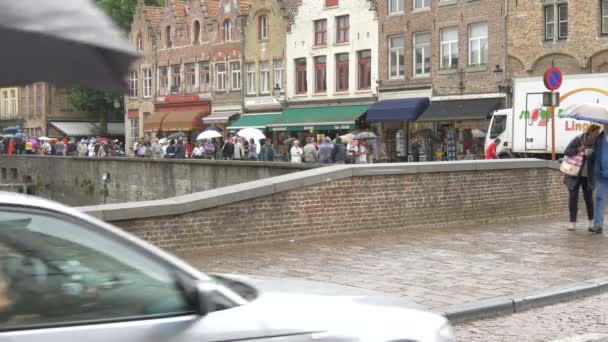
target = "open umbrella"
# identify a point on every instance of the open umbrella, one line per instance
(103, 140)
(347, 138)
(79, 43)
(215, 128)
(587, 111)
(365, 135)
(209, 134)
(477, 133)
(251, 133)
(11, 130)
(289, 141)
(34, 142)
(44, 138)
(20, 135)
(178, 135)
(163, 141)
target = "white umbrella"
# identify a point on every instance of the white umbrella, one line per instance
(80, 45)
(44, 138)
(209, 134)
(162, 141)
(251, 133)
(587, 111)
(477, 133)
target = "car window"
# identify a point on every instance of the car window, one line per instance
(58, 271)
(498, 126)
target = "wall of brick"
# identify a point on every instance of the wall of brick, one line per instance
(363, 204)
(78, 181)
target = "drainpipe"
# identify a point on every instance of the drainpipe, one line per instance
(243, 76)
(505, 50)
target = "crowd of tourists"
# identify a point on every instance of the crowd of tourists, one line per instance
(91, 147)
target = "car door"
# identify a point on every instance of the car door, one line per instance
(61, 279)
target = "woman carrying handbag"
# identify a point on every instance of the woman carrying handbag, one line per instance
(576, 173)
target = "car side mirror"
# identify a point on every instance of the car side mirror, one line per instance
(204, 298)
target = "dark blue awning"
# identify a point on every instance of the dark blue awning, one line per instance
(397, 110)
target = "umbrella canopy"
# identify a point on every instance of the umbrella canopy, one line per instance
(251, 133)
(477, 133)
(33, 141)
(20, 135)
(365, 136)
(11, 130)
(163, 141)
(289, 141)
(80, 45)
(209, 134)
(44, 138)
(178, 135)
(215, 128)
(104, 140)
(587, 111)
(347, 138)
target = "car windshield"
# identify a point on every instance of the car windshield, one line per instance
(54, 271)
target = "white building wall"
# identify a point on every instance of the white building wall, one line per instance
(363, 35)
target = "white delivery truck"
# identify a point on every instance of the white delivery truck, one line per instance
(525, 129)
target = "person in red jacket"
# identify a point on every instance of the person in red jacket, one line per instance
(12, 147)
(491, 152)
(188, 149)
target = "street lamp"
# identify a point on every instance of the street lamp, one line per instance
(277, 93)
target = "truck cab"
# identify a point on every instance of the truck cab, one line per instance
(501, 125)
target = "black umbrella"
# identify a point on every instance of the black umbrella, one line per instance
(67, 42)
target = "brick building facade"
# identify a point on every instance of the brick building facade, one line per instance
(572, 35)
(443, 52)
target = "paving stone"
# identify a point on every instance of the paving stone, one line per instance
(442, 266)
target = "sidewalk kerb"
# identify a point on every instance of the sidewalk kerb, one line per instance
(518, 302)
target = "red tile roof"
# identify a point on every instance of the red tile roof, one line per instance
(153, 15)
(291, 6)
(180, 11)
(213, 8)
(244, 6)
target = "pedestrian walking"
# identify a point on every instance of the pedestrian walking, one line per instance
(228, 150)
(156, 149)
(361, 152)
(253, 150)
(296, 153)
(339, 151)
(171, 150)
(72, 150)
(491, 152)
(142, 149)
(351, 152)
(239, 150)
(209, 149)
(598, 176)
(60, 148)
(180, 150)
(415, 147)
(326, 151)
(581, 147)
(311, 155)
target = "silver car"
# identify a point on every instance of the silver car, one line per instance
(65, 276)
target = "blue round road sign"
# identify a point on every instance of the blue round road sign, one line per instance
(553, 78)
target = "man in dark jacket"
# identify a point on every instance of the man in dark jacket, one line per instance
(339, 152)
(180, 150)
(598, 177)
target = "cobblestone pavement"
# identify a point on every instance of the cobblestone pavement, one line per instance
(433, 268)
(577, 321)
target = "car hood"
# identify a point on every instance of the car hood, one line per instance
(289, 306)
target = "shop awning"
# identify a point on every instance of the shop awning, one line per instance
(175, 121)
(472, 109)
(220, 116)
(259, 121)
(75, 128)
(397, 110)
(318, 118)
(116, 129)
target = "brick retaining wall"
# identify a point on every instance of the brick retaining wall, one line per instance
(363, 204)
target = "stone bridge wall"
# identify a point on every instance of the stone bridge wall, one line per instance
(347, 199)
(78, 181)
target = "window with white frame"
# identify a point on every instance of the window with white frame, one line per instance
(263, 28)
(395, 6)
(604, 17)
(250, 78)
(5, 103)
(265, 77)
(422, 54)
(133, 84)
(14, 101)
(220, 77)
(278, 74)
(147, 83)
(556, 21)
(176, 79)
(449, 48)
(235, 69)
(133, 131)
(163, 81)
(227, 30)
(421, 4)
(190, 77)
(140, 43)
(395, 56)
(203, 77)
(478, 44)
